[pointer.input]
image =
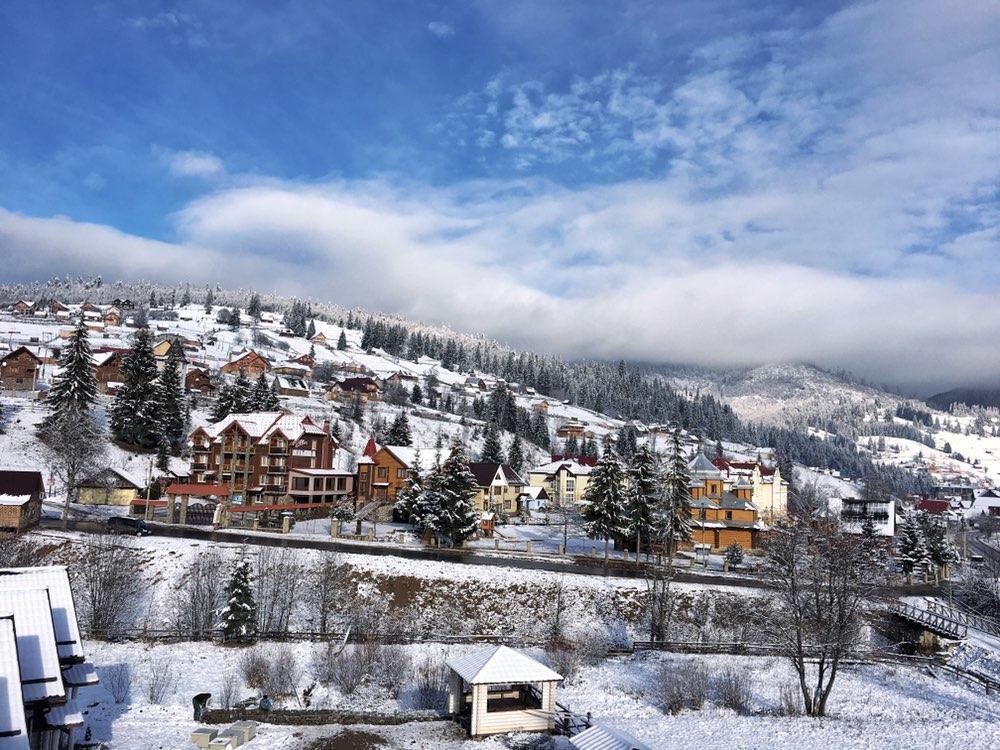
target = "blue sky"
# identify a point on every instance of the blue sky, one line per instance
(655, 168)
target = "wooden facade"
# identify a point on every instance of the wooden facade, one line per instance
(197, 379)
(108, 369)
(251, 364)
(20, 370)
(108, 487)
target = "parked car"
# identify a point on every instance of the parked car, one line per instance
(126, 525)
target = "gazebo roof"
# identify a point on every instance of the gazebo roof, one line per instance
(602, 737)
(501, 665)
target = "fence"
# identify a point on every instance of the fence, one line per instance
(935, 622)
(979, 622)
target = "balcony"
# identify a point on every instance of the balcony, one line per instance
(201, 447)
(277, 469)
(278, 449)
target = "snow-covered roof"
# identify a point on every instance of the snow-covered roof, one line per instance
(409, 455)
(55, 578)
(41, 679)
(14, 499)
(601, 737)
(80, 675)
(501, 665)
(66, 715)
(13, 727)
(573, 467)
(261, 425)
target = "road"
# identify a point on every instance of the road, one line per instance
(574, 565)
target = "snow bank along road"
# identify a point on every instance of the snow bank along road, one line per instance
(578, 565)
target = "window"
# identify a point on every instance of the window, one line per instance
(341, 483)
(383, 472)
(702, 514)
(400, 473)
(498, 490)
(729, 515)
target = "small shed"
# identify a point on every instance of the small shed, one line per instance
(499, 689)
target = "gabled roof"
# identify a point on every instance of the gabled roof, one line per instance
(573, 467)
(262, 425)
(13, 728)
(55, 578)
(408, 455)
(21, 483)
(485, 472)
(41, 679)
(18, 351)
(501, 665)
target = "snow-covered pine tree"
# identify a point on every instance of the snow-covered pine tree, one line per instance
(170, 404)
(572, 446)
(163, 454)
(342, 341)
(416, 395)
(262, 397)
(457, 485)
(643, 498)
(254, 307)
(186, 296)
(515, 454)
(492, 447)
(734, 555)
(242, 394)
(675, 510)
(910, 546)
(238, 619)
(940, 551)
(399, 432)
(874, 557)
(273, 402)
(604, 507)
(209, 301)
(75, 388)
(134, 413)
(311, 330)
(407, 499)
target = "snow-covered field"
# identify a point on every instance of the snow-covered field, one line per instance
(872, 706)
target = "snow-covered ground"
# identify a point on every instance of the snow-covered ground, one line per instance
(872, 706)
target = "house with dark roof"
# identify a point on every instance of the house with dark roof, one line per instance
(19, 370)
(498, 486)
(21, 494)
(362, 388)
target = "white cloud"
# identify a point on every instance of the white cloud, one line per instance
(194, 164)
(440, 29)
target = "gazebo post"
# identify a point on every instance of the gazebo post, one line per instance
(184, 509)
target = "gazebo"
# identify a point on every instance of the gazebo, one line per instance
(499, 689)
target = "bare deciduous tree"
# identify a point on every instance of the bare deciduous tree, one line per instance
(198, 596)
(277, 585)
(75, 446)
(325, 597)
(823, 584)
(110, 585)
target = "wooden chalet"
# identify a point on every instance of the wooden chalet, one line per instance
(362, 388)
(23, 307)
(108, 369)
(198, 380)
(250, 364)
(20, 370)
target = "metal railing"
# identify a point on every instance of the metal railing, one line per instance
(979, 622)
(935, 622)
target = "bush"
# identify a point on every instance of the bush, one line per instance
(350, 668)
(431, 683)
(118, 679)
(229, 690)
(160, 680)
(284, 674)
(789, 700)
(681, 686)
(255, 668)
(392, 667)
(565, 658)
(734, 690)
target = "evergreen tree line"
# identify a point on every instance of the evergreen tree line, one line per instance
(923, 546)
(242, 396)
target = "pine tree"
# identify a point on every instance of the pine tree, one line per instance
(262, 396)
(311, 330)
(604, 502)
(912, 550)
(734, 555)
(540, 431)
(238, 619)
(416, 395)
(492, 447)
(399, 432)
(875, 558)
(572, 447)
(515, 454)
(675, 510)
(186, 297)
(134, 413)
(457, 485)
(408, 498)
(170, 406)
(643, 498)
(940, 551)
(162, 455)
(209, 301)
(75, 388)
(342, 341)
